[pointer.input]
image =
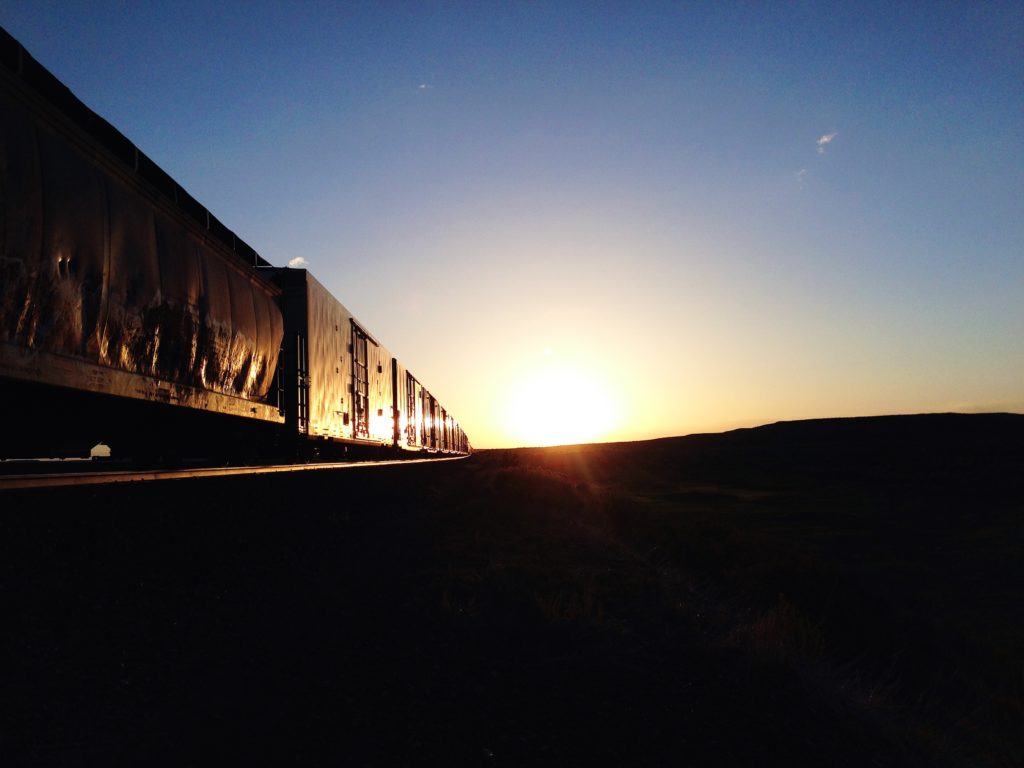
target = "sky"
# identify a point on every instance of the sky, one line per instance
(607, 221)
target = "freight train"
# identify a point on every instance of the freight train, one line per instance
(131, 316)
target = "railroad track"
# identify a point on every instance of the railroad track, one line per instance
(104, 477)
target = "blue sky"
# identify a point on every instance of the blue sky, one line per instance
(712, 215)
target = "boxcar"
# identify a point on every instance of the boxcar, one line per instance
(335, 378)
(119, 294)
(130, 315)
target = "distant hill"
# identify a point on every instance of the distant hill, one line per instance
(936, 443)
(999, 428)
(926, 428)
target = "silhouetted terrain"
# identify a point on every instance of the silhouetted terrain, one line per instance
(838, 592)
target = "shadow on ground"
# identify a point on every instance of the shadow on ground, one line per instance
(813, 593)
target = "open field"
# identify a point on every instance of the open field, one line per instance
(813, 593)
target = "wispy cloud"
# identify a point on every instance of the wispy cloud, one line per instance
(801, 177)
(825, 141)
(297, 262)
(424, 87)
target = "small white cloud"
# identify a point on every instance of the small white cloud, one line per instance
(825, 140)
(424, 87)
(801, 177)
(297, 262)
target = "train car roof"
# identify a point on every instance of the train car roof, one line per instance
(19, 65)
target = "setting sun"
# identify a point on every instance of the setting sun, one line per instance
(559, 406)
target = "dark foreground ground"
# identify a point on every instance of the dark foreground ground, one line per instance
(812, 593)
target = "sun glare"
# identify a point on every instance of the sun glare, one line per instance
(556, 406)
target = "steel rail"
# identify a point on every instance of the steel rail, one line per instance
(132, 476)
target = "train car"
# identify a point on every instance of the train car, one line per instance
(433, 423)
(409, 411)
(130, 315)
(335, 378)
(119, 297)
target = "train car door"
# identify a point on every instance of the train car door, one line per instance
(435, 412)
(410, 409)
(425, 423)
(301, 385)
(360, 406)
